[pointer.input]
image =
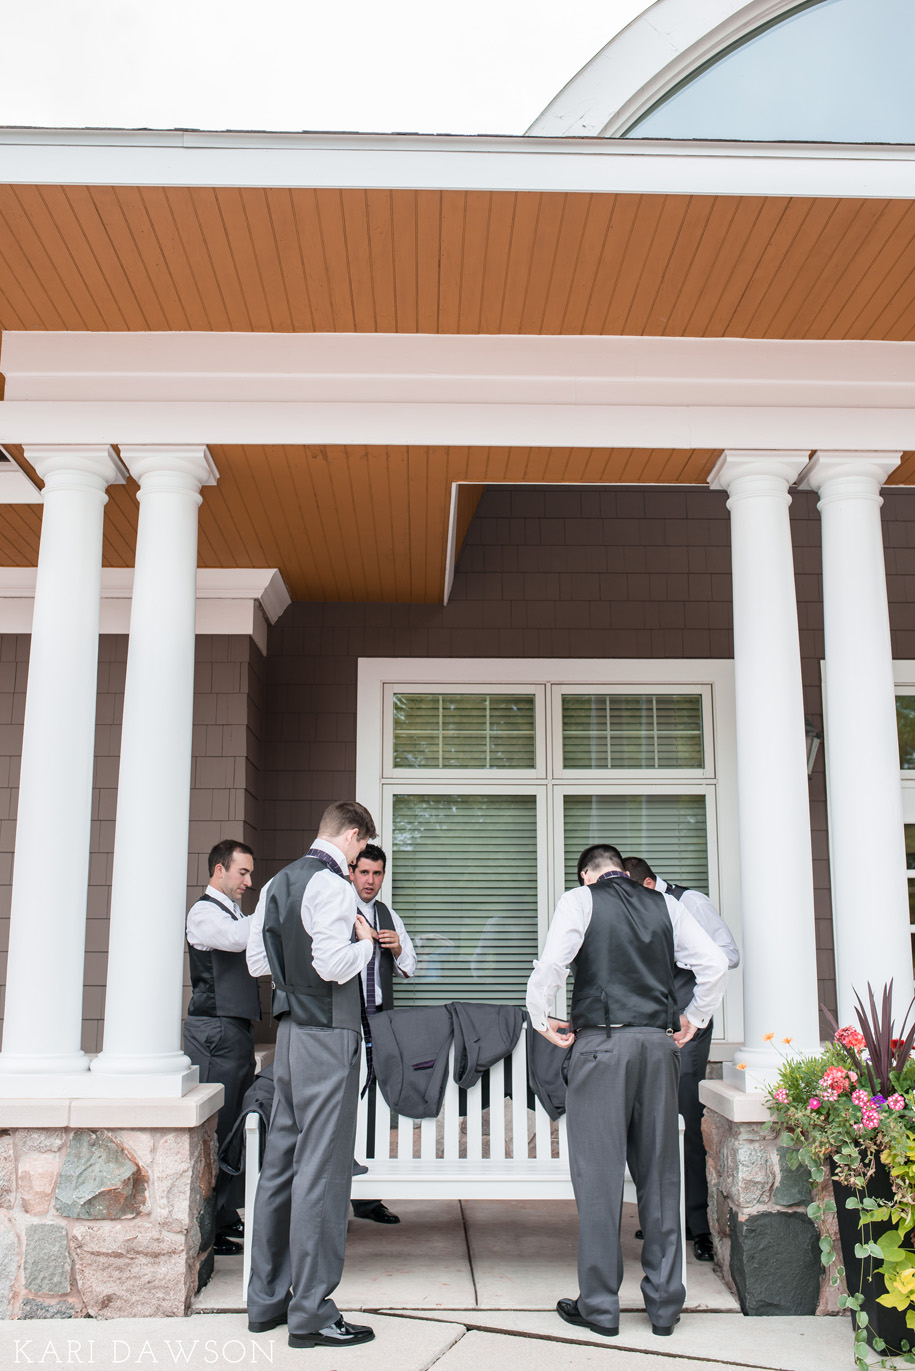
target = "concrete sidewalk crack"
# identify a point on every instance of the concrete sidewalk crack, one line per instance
(476, 1299)
(470, 1327)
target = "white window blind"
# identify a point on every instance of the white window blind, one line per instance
(905, 726)
(632, 732)
(464, 875)
(668, 831)
(464, 732)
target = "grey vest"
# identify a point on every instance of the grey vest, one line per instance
(221, 984)
(624, 971)
(297, 988)
(386, 957)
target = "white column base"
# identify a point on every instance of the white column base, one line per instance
(37, 1064)
(98, 1086)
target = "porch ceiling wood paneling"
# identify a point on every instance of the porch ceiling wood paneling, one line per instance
(147, 258)
(360, 524)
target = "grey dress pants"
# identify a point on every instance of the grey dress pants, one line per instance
(223, 1051)
(622, 1106)
(302, 1205)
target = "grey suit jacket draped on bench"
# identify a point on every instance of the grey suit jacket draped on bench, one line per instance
(410, 1050)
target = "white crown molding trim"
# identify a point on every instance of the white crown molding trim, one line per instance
(328, 368)
(243, 600)
(645, 60)
(472, 425)
(123, 157)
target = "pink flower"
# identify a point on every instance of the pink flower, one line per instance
(895, 1102)
(782, 1096)
(850, 1037)
(814, 1103)
(861, 1097)
(870, 1118)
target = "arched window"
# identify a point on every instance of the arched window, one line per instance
(830, 71)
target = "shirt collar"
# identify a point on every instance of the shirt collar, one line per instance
(660, 884)
(324, 846)
(215, 894)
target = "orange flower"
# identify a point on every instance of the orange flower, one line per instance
(767, 1037)
(787, 1040)
(741, 1066)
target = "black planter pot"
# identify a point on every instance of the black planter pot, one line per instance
(888, 1324)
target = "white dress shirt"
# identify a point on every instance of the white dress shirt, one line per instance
(210, 929)
(709, 920)
(692, 948)
(328, 916)
(405, 964)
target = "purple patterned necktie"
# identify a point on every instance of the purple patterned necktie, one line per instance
(371, 1004)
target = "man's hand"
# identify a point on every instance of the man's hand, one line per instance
(389, 939)
(558, 1033)
(687, 1030)
(364, 930)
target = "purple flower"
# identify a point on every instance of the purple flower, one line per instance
(878, 1100)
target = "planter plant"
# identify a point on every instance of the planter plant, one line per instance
(850, 1113)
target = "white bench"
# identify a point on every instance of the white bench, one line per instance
(438, 1159)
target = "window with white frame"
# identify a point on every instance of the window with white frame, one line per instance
(490, 778)
(905, 728)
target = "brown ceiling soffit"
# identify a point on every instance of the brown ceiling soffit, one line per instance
(428, 261)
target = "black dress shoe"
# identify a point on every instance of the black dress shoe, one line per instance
(664, 1330)
(379, 1213)
(266, 1325)
(568, 1310)
(339, 1334)
(703, 1247)
(234, 1230)
(639, 1234)
(226, 1247)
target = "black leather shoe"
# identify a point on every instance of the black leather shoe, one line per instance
(225, 1247)
(235, 1230)
(639, 1234)
(568, 1310)
(703, 1247)
(664, 1330)
(379, 1213)
(266, 1325)
(339, 1334)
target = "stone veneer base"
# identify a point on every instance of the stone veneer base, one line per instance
(106, 1206)
(766, 1247)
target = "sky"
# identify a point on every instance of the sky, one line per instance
(408, 66)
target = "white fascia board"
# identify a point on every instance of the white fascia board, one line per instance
(472, 425)
(118, 157)
(341, 368)
(230, 600)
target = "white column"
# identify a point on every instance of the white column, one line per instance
(44, 994)
(149, 877)
(866, 838)
(776, 870)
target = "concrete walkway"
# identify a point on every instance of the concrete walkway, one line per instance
(457, 1287)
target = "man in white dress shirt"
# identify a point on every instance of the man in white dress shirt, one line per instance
(623, 941)
(306, 931)
(218, 1031)
(694, 1056)
(394, 955)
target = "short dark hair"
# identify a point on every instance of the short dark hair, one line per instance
(639, 869)
(222, 854)
(345, 814)
(372, 854)
(599, 854)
